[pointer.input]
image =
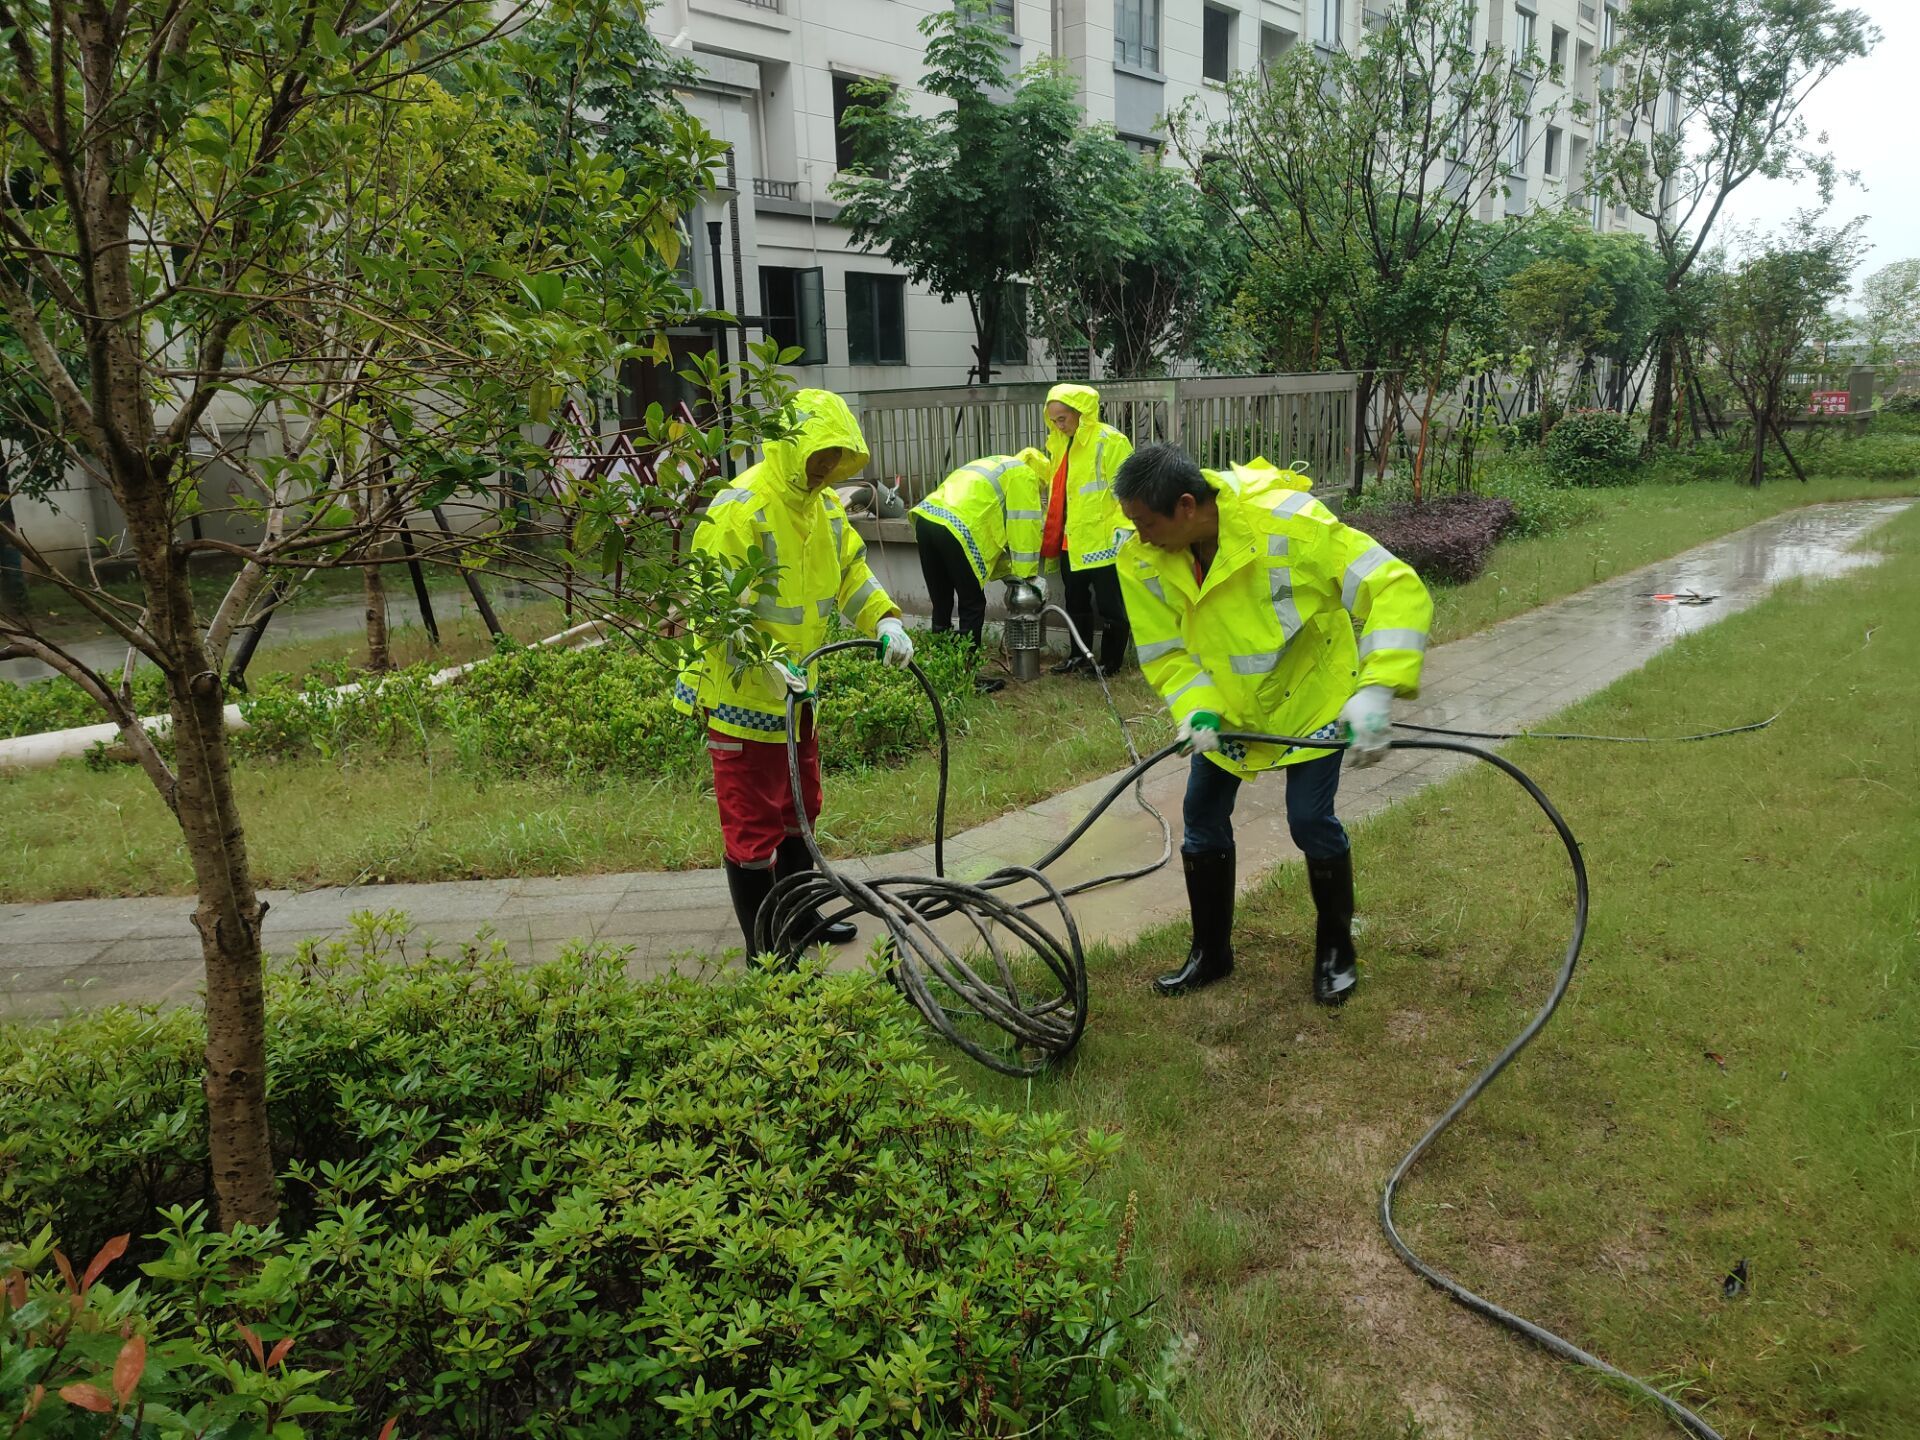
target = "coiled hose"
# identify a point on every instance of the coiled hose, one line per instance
(985, 1010)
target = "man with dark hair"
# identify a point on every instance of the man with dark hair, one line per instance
(1242, 589)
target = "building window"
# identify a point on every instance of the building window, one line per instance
(1136, 33)
(1517, 149)
(793, 303)
(1274, 42)
(1550, 157)
(1000, 13)
(844, 149)
(1325, 17)
(1557, 51)
(1010, 337)
(1216, 43)
(1146, 148)
(876, 319)
(1608, 28)
(1524, 28)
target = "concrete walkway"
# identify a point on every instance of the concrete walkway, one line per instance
(296, 623)
(56, 956)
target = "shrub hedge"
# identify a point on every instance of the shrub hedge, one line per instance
(537, 711)
(1446, 540)
(1593, 447)
(553, 1202)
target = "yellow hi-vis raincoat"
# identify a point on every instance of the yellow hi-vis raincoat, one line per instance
(822, 560)
(1097, 450)
(995, 508)
(1266, 642)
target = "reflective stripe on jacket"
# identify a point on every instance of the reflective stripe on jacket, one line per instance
(1095, 525)
(994, 508)
(1266, 642)
(822, 560)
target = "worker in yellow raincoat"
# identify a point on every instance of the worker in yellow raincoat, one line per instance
(981, 524)
(1243, 590)
(1084, 525)
(787, 509)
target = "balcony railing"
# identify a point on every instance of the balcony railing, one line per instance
(774, 5)
(765, 189)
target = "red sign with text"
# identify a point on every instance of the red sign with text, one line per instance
(1828, 402)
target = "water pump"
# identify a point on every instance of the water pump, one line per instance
(1025, 602)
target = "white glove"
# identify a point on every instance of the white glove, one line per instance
(895, 648)
(791, 676)
(1199, 733)
(1368, 720)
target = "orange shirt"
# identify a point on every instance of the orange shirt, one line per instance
(1053, 540)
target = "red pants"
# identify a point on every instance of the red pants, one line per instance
(755, 792)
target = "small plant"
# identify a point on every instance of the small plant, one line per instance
(1593, 447)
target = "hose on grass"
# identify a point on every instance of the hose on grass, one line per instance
(996, 1012)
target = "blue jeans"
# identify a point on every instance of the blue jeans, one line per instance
(1311, 786)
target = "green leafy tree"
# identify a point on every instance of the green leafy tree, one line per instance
(1762, 312)
(1592, 297)
(971, 199)
(1142, 287)
(334, 228)
(1355, 180)
(1890, 312)
(1709, 94)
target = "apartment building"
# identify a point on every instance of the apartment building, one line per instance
(776, 75)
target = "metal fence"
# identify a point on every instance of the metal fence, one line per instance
(918, 437)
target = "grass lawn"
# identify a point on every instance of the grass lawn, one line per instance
(1734, 1075)
(76, 832)
(1635, 525)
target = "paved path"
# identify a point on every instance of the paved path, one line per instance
(295, 623)
(1512, 676)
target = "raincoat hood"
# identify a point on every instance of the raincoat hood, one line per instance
(1261, 473)
(1083, 398)
(821, 421)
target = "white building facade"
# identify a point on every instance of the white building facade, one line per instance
(777, 74)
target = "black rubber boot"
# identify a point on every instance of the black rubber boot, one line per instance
(749, 887)
(792, 858)
(1336, 970)
(1210, 899)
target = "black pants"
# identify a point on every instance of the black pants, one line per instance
(943, 563)
(1098, 587)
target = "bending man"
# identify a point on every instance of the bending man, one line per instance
(1243, 590)
(982, 524)
(785, 507)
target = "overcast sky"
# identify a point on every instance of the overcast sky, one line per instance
(1866, 111)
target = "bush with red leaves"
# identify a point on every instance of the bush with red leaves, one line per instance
(1446, 540)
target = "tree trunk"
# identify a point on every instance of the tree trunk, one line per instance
(379, 654)
(229, 910)
(1660, 411)
(1759, 448)
(13, 572)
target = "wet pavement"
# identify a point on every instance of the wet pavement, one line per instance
(1515, 675)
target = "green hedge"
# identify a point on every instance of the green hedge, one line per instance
(1593, 447)
(553, 1202)
(534, 711)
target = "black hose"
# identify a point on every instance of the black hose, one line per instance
(948, 990)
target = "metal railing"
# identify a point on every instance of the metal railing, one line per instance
(921, 436)
(773, 5)
(766, 189)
